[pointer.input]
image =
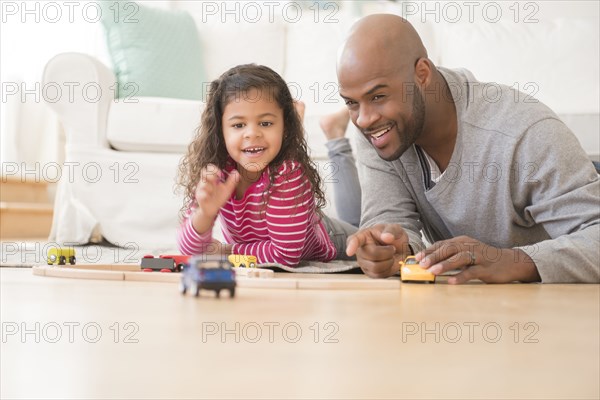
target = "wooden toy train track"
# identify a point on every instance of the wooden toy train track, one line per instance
(246, 277)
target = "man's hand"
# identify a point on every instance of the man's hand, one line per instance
(212, 194)
(379, 248)
(478, 260)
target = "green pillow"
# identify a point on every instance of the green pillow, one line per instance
(154, 52)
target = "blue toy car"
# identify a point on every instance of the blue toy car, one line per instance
(208, 273)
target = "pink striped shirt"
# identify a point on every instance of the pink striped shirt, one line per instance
(285, 230)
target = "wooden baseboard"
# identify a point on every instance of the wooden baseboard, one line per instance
(22, 191)
(25, 220)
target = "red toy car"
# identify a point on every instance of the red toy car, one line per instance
(178, 259)
(150, 263)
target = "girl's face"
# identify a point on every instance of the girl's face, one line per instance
(253, 131)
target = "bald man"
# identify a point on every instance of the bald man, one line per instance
(500, 186)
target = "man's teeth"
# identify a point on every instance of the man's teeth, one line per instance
(381, 132)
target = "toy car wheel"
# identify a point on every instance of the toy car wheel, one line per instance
(51, 259)
(252, 265)
(62, 260)
(242, 265)
(178, 267)
(72, 260)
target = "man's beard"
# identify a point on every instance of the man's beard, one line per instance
(414, 127)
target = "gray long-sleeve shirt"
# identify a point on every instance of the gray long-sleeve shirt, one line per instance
(518, 177)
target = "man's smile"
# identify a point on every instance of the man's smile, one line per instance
(379, 137)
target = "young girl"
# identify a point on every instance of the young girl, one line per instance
(248, 165)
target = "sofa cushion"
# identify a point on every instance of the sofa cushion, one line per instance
(233, 43)
(153, 124)
(154, 52)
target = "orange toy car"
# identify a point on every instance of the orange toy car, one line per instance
(411, 271)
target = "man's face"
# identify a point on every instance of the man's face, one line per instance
(384, 103)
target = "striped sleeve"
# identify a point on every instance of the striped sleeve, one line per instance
(191, 242)
(289, 213)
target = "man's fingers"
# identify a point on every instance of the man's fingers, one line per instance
(378, 269)
(396, 236)
(356, 241)
(443, 250)
(466, 275)
(420, 256)
(479, 272)
(391, 234)
(351, 245)
(438, 256)
(377, 247)
(460, 260)
(376, 252)
(436, 247)
(377, 261)
(474, 259)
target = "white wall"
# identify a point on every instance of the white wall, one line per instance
(547, 49)
(559, 54)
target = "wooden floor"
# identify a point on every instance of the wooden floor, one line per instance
(72, 338)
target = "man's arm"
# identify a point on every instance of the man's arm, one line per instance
(564, 194)
(561, 193)
(386, 198)
(390, 226)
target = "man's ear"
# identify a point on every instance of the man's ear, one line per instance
(423, 71)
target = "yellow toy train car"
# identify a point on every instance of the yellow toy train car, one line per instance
(240, 260)
(61, 255)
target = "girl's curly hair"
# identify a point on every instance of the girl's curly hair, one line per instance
(208, 146)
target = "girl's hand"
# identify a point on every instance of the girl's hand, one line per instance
(211, 194)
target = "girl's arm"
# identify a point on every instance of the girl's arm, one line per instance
(212, 192)
(289, 214)
(192, 242)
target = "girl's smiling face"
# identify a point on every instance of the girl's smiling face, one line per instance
(253, 131)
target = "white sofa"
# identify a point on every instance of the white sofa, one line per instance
(122, 157)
